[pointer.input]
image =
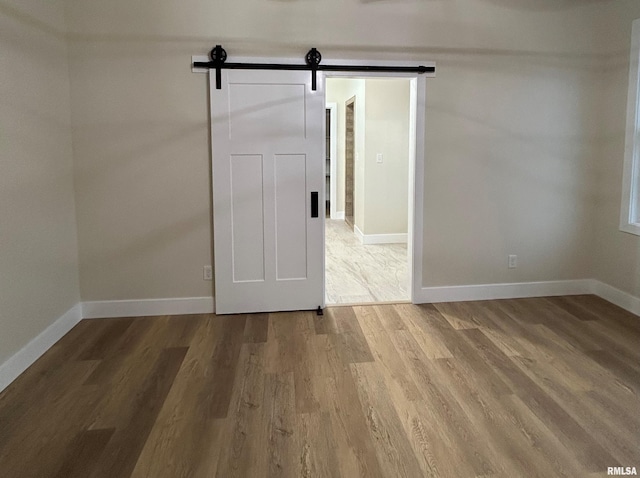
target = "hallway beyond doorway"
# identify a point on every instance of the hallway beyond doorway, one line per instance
(358, 273)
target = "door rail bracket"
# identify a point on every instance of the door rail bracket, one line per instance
(313, 58)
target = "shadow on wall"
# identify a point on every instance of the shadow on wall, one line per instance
(535, 5)
(139, 151)
(30, 21)
(152, 241)
(143, 204)
(515, 147)
(544, 5)
(191, 44)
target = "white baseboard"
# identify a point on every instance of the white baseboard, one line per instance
(338, 215)
(384, 239)
(147, 307)
(18, 363)
(504, 291)
(358, 233)
(529, 289)
(617, 297)
(205, 305)
(368, 239)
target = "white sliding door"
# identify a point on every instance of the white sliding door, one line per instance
(267, 134)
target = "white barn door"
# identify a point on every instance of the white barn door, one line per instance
(267, 139)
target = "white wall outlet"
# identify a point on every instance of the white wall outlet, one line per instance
(379, 158)
(513, 261)
(207, 273)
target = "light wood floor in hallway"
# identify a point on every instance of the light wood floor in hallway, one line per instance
(358, 274)
(514, 388)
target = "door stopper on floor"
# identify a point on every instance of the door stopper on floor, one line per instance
(319, 311)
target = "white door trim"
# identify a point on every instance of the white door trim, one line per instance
(418, 106)
(418, 109)
(333, 173)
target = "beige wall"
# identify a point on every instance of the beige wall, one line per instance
(381, 126)
(617, 258)
(38, 252)
(142, 166)
(387, 132)
(511, 123)
(509, 169)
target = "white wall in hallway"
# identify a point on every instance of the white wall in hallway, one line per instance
(387, 133)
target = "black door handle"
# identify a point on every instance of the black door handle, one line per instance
(314, 204)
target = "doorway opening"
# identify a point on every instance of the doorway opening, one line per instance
(270, 177)
(349, 158)
(371, 168)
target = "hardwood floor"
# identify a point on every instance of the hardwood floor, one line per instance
(511, 388)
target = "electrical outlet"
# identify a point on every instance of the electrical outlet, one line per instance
(207, 273)
(379, 158)
(513, 261)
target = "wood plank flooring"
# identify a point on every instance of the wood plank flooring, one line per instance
(511, 388)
